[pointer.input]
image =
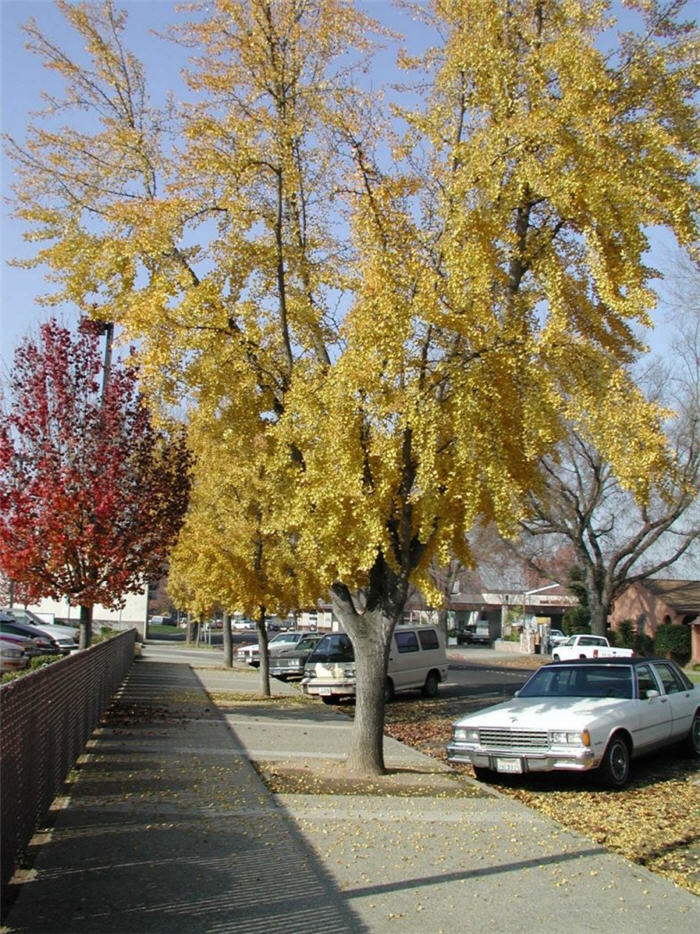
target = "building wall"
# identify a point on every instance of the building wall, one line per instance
(133, 614)
(644, 608)
(648, 611)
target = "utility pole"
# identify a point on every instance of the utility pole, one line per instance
(108, 331)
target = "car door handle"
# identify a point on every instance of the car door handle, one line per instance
(664, 700)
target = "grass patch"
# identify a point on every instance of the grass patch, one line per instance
(328, 777)
(230, 698)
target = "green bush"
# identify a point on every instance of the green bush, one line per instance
(626, 634)
(673, 641)
(39, 661)
(643, 645)
(575, 620)
(627, 637)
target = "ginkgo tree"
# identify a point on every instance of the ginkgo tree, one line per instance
(225, 554)
(400, 338)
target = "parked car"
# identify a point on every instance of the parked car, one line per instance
(250, 654)
(28, 646)
(46, 644)
(556, 637)
(585, 645)
(12, 654)
(417, 659)
(66, 637)
(477, 633)
(241, 624)
(290, 660)
(581, 715)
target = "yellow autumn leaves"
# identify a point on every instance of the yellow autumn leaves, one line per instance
(373, 352)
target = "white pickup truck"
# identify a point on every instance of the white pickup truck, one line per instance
(586, 646)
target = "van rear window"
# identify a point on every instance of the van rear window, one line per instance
(428, 639)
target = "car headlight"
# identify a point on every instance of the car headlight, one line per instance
(570, 738)
(463, 734)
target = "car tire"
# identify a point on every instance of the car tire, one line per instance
(692, 740)
(555, 657)
(430, 688)
(388, 690)
(614, 770)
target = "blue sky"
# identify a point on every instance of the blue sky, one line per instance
(22, 80)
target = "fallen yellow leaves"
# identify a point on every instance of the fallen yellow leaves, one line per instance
(654, 822)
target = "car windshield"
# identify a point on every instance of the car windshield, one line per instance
(285, 637)
(580, 681)
(335, 647)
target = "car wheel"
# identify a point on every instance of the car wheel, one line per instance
(430, 688)
(331, 699)
(692, 741)
(388, 690)
(614, 770)
(555, 657)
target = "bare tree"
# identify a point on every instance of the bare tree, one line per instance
(613, 538)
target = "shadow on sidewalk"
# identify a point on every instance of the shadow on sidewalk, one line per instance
(167, 827)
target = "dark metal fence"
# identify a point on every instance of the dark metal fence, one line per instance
(46, 720)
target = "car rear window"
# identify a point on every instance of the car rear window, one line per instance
(671, 681)
(335, 647)
(428, 639)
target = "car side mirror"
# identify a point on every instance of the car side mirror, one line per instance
(652, 693)
(517, 694)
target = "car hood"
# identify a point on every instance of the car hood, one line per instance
(59, 632)
(543, 713)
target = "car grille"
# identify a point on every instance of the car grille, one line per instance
(514, 739)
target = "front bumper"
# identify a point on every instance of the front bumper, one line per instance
(278, 670)
(576, 759)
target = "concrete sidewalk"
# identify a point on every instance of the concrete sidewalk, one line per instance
(168, 828)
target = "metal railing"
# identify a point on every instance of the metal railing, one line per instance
(46, 719)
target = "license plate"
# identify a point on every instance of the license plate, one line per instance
(509, 765)
(324, 692)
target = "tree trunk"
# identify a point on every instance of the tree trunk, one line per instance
(228, 641)
(599, 615)
(85, 626)
(370, 634)
(263, 655)
(370, 631)
(598, 600)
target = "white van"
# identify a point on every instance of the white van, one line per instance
(417, 659)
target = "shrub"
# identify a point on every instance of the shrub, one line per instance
(643, 645)
(39, 661)
(673, 641)
(626, 634)
(575, 620)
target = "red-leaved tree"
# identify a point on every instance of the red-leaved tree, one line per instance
(92, 496)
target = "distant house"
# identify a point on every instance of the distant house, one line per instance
(653, 602)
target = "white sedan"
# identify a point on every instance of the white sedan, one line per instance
(581, 715)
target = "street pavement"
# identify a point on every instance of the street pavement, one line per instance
(167, 827)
